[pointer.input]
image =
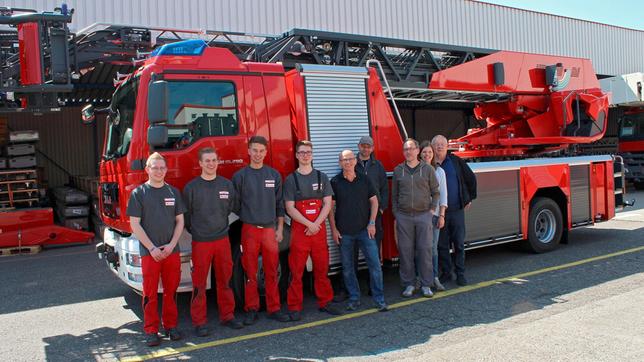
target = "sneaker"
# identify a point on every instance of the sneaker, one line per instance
(331, 309)
(202, 331)
(295, 315)
(152, 339)
(353, 305)
(233, 324)
(251, 317)
(174, 334)
(460, 280)
(279, 316)
(382, 307)
(427, 292)
(409, 291)
(437, 284)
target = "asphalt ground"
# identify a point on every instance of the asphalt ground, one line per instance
(582, 301)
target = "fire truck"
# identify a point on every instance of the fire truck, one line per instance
(216, 89)
(627, 100)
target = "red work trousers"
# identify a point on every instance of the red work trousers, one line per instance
(301, 247)
(217, 254)
(256, 240)
(169, 270)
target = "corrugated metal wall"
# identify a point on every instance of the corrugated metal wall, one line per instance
(66, 146)
(613, 50)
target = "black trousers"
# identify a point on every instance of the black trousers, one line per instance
(452, 235)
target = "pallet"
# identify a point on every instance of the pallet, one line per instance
(16, 250)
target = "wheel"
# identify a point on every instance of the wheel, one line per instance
(545, 225)
(238, 279)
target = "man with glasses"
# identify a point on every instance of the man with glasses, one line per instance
(156, 217)
(354, 221)
(461, 190)
(209, 200)
(307, 198)
(260, 207)
(414, 196)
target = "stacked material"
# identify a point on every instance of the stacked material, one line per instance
(72, 207)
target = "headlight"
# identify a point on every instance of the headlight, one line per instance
(133, 260)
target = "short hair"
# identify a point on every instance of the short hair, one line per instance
(411, 140)
(424, 145)
(154, 157)
(206, 150)
(259, 140)
(303, 143)
(438, 137)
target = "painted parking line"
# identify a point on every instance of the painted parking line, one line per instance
(169, 351)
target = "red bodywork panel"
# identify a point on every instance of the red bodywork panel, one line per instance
(535, 117)
(631, 146)
(538, 177)
(29, 51)
(31, 227)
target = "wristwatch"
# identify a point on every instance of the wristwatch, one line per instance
(371, 222)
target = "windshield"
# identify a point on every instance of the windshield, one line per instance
(632, 127)
(121, 119)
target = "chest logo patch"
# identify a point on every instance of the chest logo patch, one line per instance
(316, 187)
(169, 201)
(269, 183)
(223, 195)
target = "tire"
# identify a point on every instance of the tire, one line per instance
(238, 279)
(545, 225)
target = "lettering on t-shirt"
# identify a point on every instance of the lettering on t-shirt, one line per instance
(269, 183)
(310, 212)
(169, 201)
(316, 186)
(223, 195)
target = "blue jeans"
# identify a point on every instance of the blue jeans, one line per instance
(369, 248)
(437, 232)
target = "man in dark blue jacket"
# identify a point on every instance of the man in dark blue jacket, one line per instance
(461, 190)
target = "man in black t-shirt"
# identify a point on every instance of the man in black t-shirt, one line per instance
(307, 197)
(354, 221)
(156, 217)
(209, 200)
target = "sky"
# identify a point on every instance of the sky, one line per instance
(625, 13)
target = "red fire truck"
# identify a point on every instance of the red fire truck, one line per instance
(333, 88)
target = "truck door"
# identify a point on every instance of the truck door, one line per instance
(205, 112)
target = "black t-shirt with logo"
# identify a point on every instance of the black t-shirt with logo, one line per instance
(311, 187)
(259, 191)
(157, 207)
(208, 204)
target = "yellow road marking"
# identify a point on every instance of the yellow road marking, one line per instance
(165, 352)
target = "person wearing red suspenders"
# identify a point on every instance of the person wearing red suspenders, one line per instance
(307, 196)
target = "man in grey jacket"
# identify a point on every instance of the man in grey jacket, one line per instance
(414, 196)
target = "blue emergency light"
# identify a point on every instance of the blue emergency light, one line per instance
(185, 47)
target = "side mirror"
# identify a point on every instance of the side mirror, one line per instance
(88, 115)
(157, 136)
(158, 102)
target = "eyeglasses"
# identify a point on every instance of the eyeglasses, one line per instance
(407, 149)
(305, 153)
(158, 168)
(347, 159)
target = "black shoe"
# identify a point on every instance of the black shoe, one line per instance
(174, 334)
(279, 316)
(382, 307)
(251, 317)
(460, 280)
(152, 339)
(295, 315)
(445, 278)
(331, 309)
(233, 324)
(353, 305)
(202, 331)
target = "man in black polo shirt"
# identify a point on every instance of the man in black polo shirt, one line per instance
(209, 200)
(156, 217)
(354, 221)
